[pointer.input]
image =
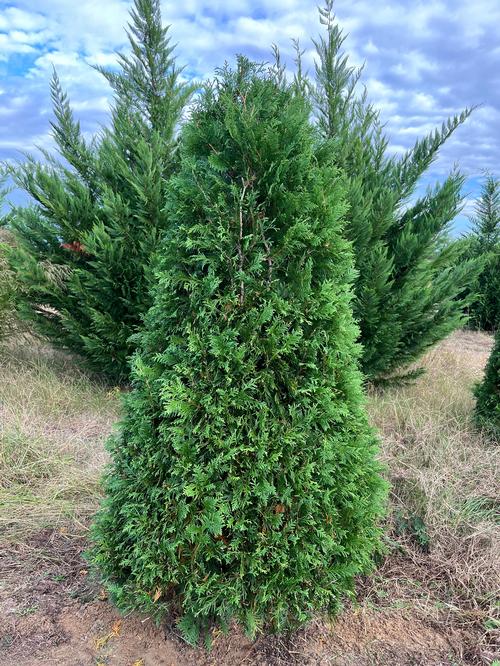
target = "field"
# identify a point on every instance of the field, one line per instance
(431, 599)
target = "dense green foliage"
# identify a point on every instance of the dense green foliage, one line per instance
(488, 392)
(83, 250)
(244, 482)
(409, 289)
(7, 281)
(484, 243)
(7, 287)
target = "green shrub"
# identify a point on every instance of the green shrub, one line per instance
(7, 290)
(484, 243)
(244, 482)
(7, 282)
(488, 393)
(409, 289)
(84, 249)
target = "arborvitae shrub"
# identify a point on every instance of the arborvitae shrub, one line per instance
(488, 393)
(84, 248)
(244, 482)
(409, 289)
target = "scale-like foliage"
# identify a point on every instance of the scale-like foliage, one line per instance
(488, 393)
(84, 249)
(409, 289)
(244, 482)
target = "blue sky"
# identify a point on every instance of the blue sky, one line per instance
(424, 60)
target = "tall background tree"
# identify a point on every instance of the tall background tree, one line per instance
(483, 243)
(244, 481)
(410, 287)
(84, 249)
(7, 281)
(488, 393)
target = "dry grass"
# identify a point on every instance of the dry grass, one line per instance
(53, 420)
(438, 461)
(445, 497)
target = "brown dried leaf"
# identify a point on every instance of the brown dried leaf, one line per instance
(116, 628)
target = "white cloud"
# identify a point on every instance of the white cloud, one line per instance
(15, 18)
(371, 48)
(413, 66)
(8, 46)
(424, 101)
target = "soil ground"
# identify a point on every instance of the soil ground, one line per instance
(53, 613)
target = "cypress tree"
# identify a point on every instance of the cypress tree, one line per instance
(243, 481)
(488, 393)
(484, 243)
(84, 249)
(7, 282)
(409, 287)
(7, 291)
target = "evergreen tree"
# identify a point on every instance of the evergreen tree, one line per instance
(243, 482)
(7, 291)
(484, 243)
(409, 289)
(488, 393)
(84, 249)
(7, 282)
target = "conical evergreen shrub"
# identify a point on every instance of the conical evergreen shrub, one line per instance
(84, 248)
(488, 393)
(244, 482)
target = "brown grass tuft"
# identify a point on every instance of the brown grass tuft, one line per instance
(53, 422)
(445, 496)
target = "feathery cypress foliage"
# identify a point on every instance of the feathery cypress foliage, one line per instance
(7, 292)
(84, 249)
(484, 243)
(409, 286)
(488, 393)
(244, 483)
(7, 282)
